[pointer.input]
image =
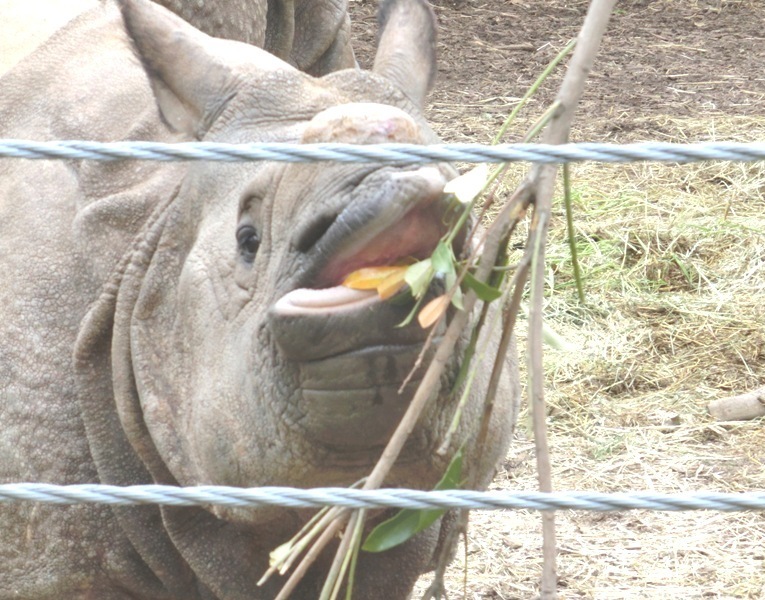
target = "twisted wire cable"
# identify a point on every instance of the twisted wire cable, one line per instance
(383, 498)
(384, 153)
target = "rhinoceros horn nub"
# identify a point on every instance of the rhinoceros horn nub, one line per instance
(406, 50)
(361, 123)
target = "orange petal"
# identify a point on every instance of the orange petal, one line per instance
(394, 282)
(369, 278)
(431, 312)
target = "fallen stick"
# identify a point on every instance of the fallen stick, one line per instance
(739, 408)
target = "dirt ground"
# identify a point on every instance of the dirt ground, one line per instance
(680, 58)
(674, 262)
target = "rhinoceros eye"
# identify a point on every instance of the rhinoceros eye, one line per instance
(248, 241)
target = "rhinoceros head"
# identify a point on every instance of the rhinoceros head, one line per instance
(236, 356)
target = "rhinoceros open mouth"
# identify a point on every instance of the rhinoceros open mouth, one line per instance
(346, 344)
(324, 318)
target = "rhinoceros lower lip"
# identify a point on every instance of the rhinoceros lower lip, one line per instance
(328, 300)
(310, 324)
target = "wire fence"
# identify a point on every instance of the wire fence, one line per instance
(384, 498)
(385, 153)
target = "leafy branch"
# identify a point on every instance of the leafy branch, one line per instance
(478, 273)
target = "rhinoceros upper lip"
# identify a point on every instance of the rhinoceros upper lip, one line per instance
(413, 236)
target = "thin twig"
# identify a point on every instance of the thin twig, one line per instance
(572, 233)
(533, 89)
(437, 590)
(509, 315)
(313, 553)
(348, 549)
(536, 385)
(543, 176)
(503, 226)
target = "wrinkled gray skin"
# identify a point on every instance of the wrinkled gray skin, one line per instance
(312, 35)
(145, 335)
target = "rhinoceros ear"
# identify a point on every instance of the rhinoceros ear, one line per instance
(406, 50)
(193, 75)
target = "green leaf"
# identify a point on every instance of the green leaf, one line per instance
(442, 259)
(402, 298)
(452, 479)
(451, 280)
(408, 522)
(412, 313)
(418, 277)
(392, 532)
(483, 291)
(457, 299)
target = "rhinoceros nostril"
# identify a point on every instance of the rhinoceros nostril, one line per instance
(314, 232)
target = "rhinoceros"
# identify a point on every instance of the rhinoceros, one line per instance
(184, 323)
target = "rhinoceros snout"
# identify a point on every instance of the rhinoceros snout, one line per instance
(346, 345)
(396, 215)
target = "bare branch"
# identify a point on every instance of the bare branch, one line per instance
(738, 408)
(544, 182)
(313, 553)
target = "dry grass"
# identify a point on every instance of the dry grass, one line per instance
(673, 268)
